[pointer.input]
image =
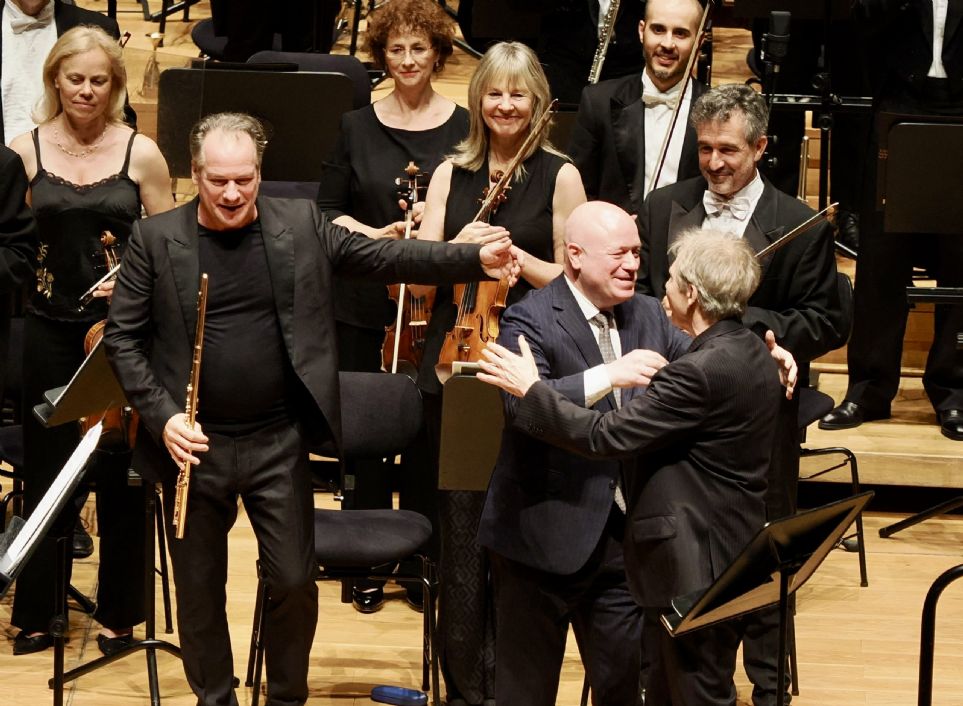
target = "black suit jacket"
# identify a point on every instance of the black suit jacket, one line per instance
(702, 435)
(17, 240)
(902, 32)
(798, 295)
(149, 335)
(546, 508)
(67, 17)
(608, 141)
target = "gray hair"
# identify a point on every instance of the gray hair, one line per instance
(721, 266)
(717, 105)
(227, 122)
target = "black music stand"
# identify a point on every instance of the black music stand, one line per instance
(776, 563)
(471, 433)
(826, 103)
(302, 131)
(93, 389)
(20, 540)
(912, 204)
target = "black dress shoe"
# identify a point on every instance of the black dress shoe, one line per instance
(110, 646)
(951, 424)
(82, 545)
(847, 229)
(415, 598)
(849, 415)
(23, 645)
(368, 601)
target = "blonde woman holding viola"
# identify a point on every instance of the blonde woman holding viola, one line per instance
(507, 95)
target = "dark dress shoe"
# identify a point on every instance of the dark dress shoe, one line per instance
(951, 424)
(847, 229)
(110, 646)
(368, 601)
(849, 415)
(82, 545)
(23, 645)
(415, 598)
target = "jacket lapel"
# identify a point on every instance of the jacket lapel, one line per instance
(954, 13)
(570, 319)
(629, 332)
(684, 216)
(279, 250)
(763, 227)
(628, 133)
(182, 250)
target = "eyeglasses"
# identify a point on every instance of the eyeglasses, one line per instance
(398, 53)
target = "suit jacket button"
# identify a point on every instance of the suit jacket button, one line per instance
(613, 485)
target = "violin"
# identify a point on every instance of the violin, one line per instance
(406, 349)
(480, 304)
(120, 423)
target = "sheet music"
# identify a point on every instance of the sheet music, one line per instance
(51, 503)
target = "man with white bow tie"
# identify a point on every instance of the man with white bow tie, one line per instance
(621, 123)
(797, 297)
(28, 30)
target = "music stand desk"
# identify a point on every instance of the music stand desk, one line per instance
(776, 563)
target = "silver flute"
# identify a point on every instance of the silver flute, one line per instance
(605, 38)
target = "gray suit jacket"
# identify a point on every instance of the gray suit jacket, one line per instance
(547, 508)
(701, 436)
(149, 335)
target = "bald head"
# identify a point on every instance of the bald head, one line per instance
(602, 253)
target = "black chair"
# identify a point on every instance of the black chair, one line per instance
(381, 415)
(212, 45)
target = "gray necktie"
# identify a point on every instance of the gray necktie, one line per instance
(603, 320)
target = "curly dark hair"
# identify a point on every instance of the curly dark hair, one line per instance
(409, 17)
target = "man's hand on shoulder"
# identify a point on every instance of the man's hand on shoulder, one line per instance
(635, 368)
(182, 442)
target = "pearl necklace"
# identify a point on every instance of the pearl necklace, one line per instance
(83, 154)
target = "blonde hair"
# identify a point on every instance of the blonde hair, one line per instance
(721, 266)
(513, 65)
(80, 40)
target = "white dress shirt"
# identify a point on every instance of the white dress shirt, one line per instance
(658, 117)
(937, 70)
(23, 56)
(726, 221)
(596, 381)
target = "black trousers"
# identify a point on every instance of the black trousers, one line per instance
(268, 470)
(695, 669)
(534, 609)
(53, 350)
(884, 270)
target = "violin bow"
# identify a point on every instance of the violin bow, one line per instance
(678, 106)
(812, 222)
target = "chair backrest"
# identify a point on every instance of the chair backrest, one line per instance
(326, 63)
(381, 414)
(301, 132)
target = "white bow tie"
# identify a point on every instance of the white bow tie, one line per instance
(24, 23)
(669, 99)
(739, 207)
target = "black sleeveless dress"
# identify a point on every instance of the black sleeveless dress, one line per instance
(70, 219)
(466, 620)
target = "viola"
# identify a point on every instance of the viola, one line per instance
(120, 423)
